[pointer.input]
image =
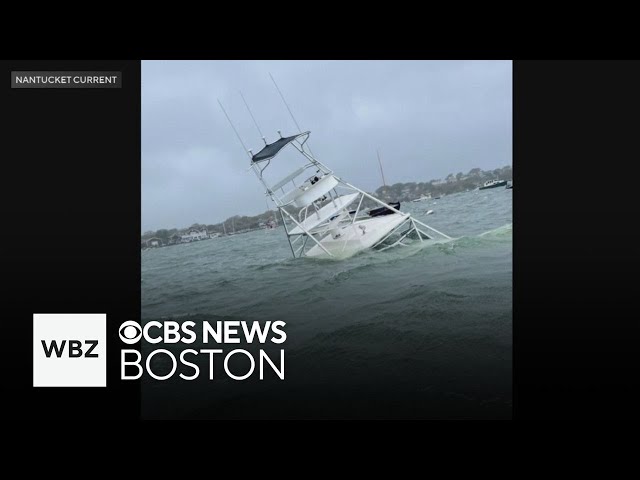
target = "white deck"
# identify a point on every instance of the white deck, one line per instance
(304, 195)
(353, 239)
(329, 210)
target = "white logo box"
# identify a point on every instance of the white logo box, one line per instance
(75, 335)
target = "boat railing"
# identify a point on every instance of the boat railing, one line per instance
(292, 176)
(303, 195)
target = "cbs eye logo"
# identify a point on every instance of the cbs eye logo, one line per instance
(130, 332)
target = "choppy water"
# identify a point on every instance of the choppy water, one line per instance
(411, 332)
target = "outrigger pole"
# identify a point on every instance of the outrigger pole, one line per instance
(254, 119)
(289, 109)
(234, 129)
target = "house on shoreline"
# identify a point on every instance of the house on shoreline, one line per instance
(194, 235)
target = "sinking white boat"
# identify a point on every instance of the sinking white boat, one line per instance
(323, 215)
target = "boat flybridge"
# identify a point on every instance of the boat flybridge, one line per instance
(324, 216)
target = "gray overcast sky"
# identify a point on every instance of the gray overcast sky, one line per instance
(428, 118)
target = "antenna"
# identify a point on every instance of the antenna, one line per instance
(381, 171)
(253, 118)
(290, 112)
(234, 129)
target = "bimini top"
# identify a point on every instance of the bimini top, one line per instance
(272, 149)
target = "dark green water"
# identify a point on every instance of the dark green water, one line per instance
(412, 332)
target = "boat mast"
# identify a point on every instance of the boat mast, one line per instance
(381, 171)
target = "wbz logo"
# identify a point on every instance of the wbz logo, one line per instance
(74, 351)
(69, 350)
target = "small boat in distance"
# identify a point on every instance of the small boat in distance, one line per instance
(493, 184)
(422, 198)
(270, 224)
(509, 185)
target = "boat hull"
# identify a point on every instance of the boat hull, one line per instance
(495, 185)
(353, 238)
